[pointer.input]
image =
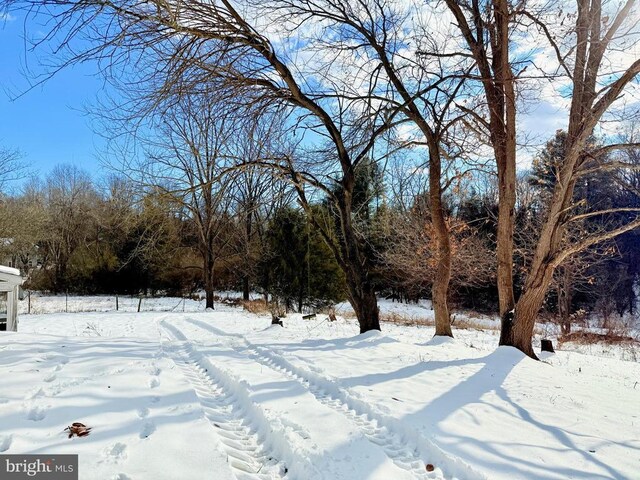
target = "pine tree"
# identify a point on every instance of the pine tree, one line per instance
(300, 266)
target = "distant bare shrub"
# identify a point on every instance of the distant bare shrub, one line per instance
(277, 310)
(586, 337)
(468, 323)
(255, 306)
(407, 320)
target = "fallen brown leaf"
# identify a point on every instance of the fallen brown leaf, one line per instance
(78, 429)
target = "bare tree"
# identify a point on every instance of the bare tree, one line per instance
(485, 28)
(256, 193)
(187, 149)
(421, 83)
(24, 222)
(591, 36)
(11, 167)
(412, 250)
(70, 198)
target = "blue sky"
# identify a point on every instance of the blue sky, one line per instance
(47, 124)
(50, 126)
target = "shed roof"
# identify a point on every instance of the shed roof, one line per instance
(9, 277)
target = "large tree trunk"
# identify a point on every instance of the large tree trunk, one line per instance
(517, 326)
(504, 249)
(439, 294)
(362, 298)
(245, 287)
(348, 252)
(504, 132)
(354, 263)
(248, 235)
(498, 83)
(440, 288)
(209, 281)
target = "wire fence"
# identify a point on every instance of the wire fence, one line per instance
(42, 303)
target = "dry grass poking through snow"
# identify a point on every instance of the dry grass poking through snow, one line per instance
(464, 320)
(406, 320)
(257, 307)
(585, 337)
(627, 346)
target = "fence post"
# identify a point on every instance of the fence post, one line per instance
(29, 301)
(66, 302)
(139, 304)
(116, 302)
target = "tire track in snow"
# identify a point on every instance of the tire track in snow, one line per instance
(402, 444)
(247, 454)
(396, 448)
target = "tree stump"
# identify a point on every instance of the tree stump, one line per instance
(547, 346)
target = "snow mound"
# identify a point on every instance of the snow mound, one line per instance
(370, 335)
(440, 340)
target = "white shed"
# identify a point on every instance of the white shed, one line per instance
(10, 282)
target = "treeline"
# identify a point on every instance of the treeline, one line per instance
(69, 233)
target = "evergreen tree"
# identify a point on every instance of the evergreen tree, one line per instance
(300, 266)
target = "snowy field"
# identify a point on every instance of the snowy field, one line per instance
(200, 395)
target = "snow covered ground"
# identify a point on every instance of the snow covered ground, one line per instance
(195, 395)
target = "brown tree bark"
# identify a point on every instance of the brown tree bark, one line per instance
(517, 329)
(440, 287)
(245, 277)
(362, 295)
(209, 280)
(503, 123)
(364, 302)
(497, 79)
(248, 236)
(245, 287)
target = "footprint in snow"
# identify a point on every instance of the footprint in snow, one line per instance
(121, 476)
(155, 399)
(147, 430)
(50, 378)
(35, 393)
(154, 370)
(5, 442)
(36, 413)
(62, 361)
(115, 452)
(143, 412)
(154, 382)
